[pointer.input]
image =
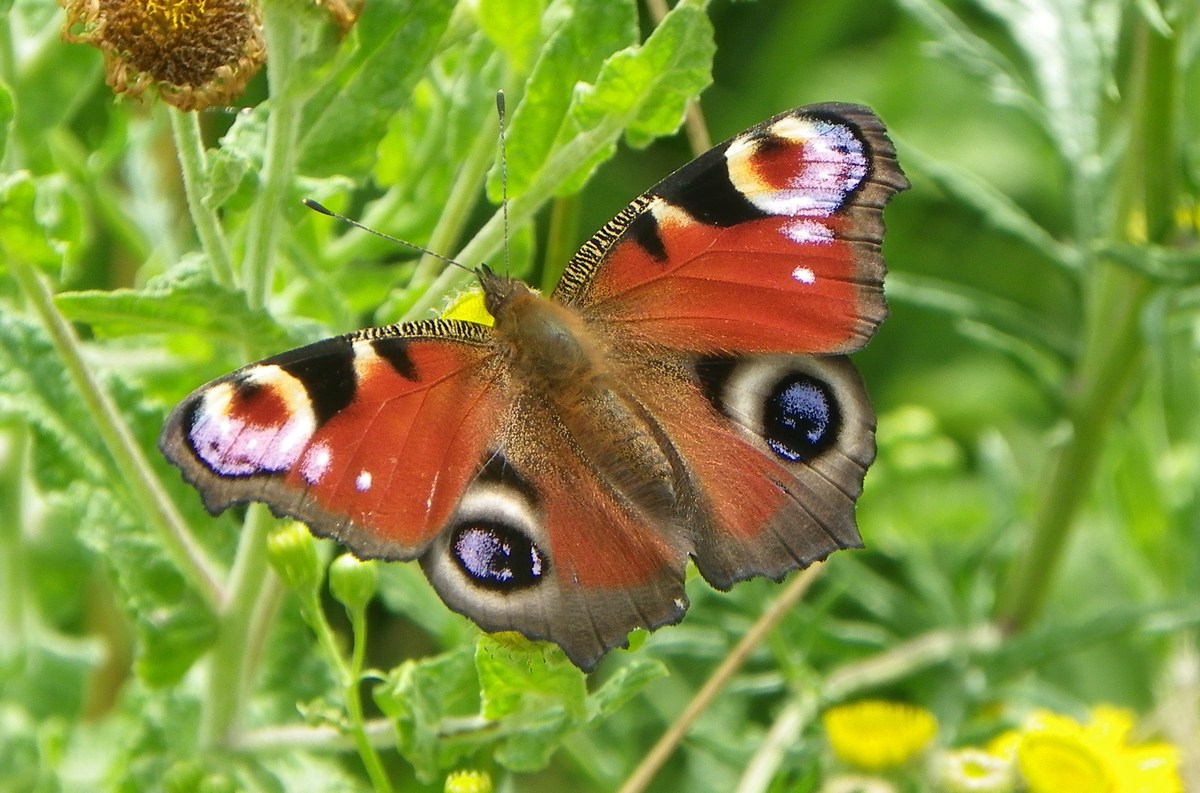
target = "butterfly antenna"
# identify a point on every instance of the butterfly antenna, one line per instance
(503, 174)
(317, 206)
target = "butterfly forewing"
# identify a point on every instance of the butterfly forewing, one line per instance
(767, 243)
(369, 438)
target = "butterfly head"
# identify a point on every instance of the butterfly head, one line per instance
(499, 291)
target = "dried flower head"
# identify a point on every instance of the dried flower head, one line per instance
(196, 53)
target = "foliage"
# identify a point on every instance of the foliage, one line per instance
(1032, 518)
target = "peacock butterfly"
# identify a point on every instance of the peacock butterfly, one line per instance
(683, 392)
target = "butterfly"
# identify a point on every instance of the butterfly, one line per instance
(684, 392)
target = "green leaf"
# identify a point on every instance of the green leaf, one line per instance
(172, 624)
(514, 27)
(394, 43)
(535, 690)
(642, 90)
(35, 391)
(588, 34)
(520, 676)
(422, 698)
(624, 684)
(31, 214)
(185, 301)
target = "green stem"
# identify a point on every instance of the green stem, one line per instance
(1112, 356)
(283, 33)
(348, 676)
(131, 464)
(362, 741)
(189, 147)
(14, 614)
(228, 676)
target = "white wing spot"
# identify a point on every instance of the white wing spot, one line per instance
(316, 463)
(804, 275)
(362, 482)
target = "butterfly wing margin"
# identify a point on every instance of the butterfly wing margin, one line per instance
(769, 242)
(368, 438)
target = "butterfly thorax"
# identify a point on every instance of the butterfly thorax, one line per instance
(561, 363)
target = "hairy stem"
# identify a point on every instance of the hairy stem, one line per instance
(283, 32)
(127, 456)
(190, 149)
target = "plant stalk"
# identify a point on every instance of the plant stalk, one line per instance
(1112, 357)
(131, 465)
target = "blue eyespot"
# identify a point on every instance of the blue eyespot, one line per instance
(497, 557)
(800, 418)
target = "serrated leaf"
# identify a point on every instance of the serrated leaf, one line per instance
(186, 301)
(419, 697)
(644, 90)
(349, 115)
(652, 84)
(587, 34)
(35, 390)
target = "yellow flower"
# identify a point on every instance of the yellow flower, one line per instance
(1056, 753)
(874, 734)
(196, 53)
(1053, 762)
(468, 782)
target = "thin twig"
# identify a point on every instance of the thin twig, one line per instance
(654, 760)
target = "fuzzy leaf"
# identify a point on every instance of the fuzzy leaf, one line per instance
(520, 676)
(35, 391)
(187, 302)
(173, 627)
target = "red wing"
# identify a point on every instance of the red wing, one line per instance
(769, 242)
(369, 438)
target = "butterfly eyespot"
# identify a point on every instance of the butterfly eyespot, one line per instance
(800, 418)
(497, 557)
